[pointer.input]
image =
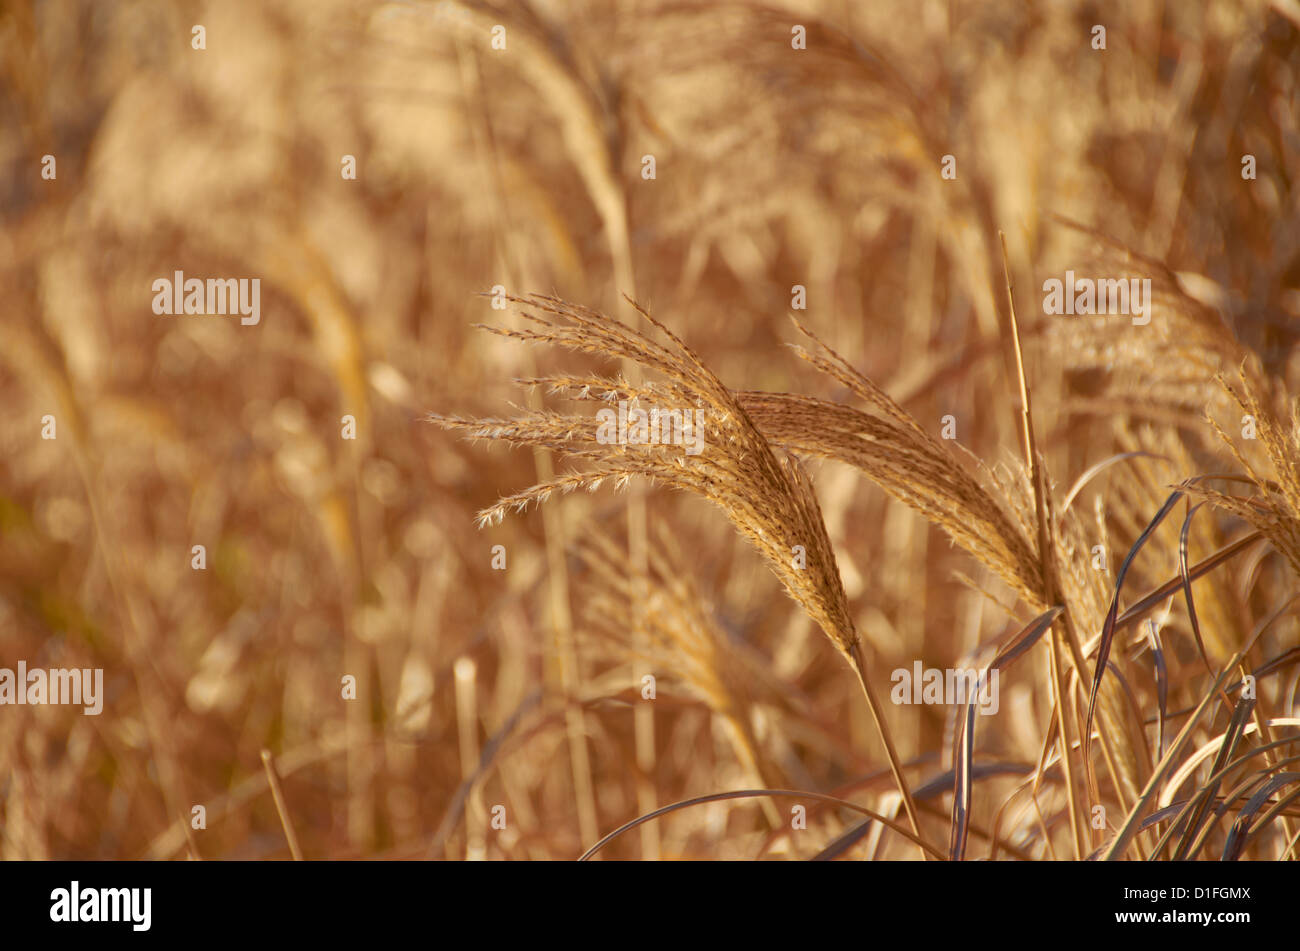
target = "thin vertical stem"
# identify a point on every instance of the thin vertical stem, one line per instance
(895, 764)
(277, 794)
(1046, 563)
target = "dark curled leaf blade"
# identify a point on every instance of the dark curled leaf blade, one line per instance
(1108, 631)
(1236, 726)
(1242, 827)
(1185, 574)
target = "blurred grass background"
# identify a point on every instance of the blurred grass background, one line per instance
(521, 167)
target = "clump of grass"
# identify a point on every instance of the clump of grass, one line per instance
(1275, 508)
(769, 498)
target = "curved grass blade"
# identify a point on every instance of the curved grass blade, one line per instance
(1093, 471)
(1243, 828)
(752, 794)
(1189, 804)
(1162, 684)
(1179, 776)
(1108, 631)
(1160, 815)
(1152, 598)
(1240, 714)
(1129, 828)
(1186, 577)
(941, 783)
(1237, 793)
(1285, 659)
(1133, 704)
